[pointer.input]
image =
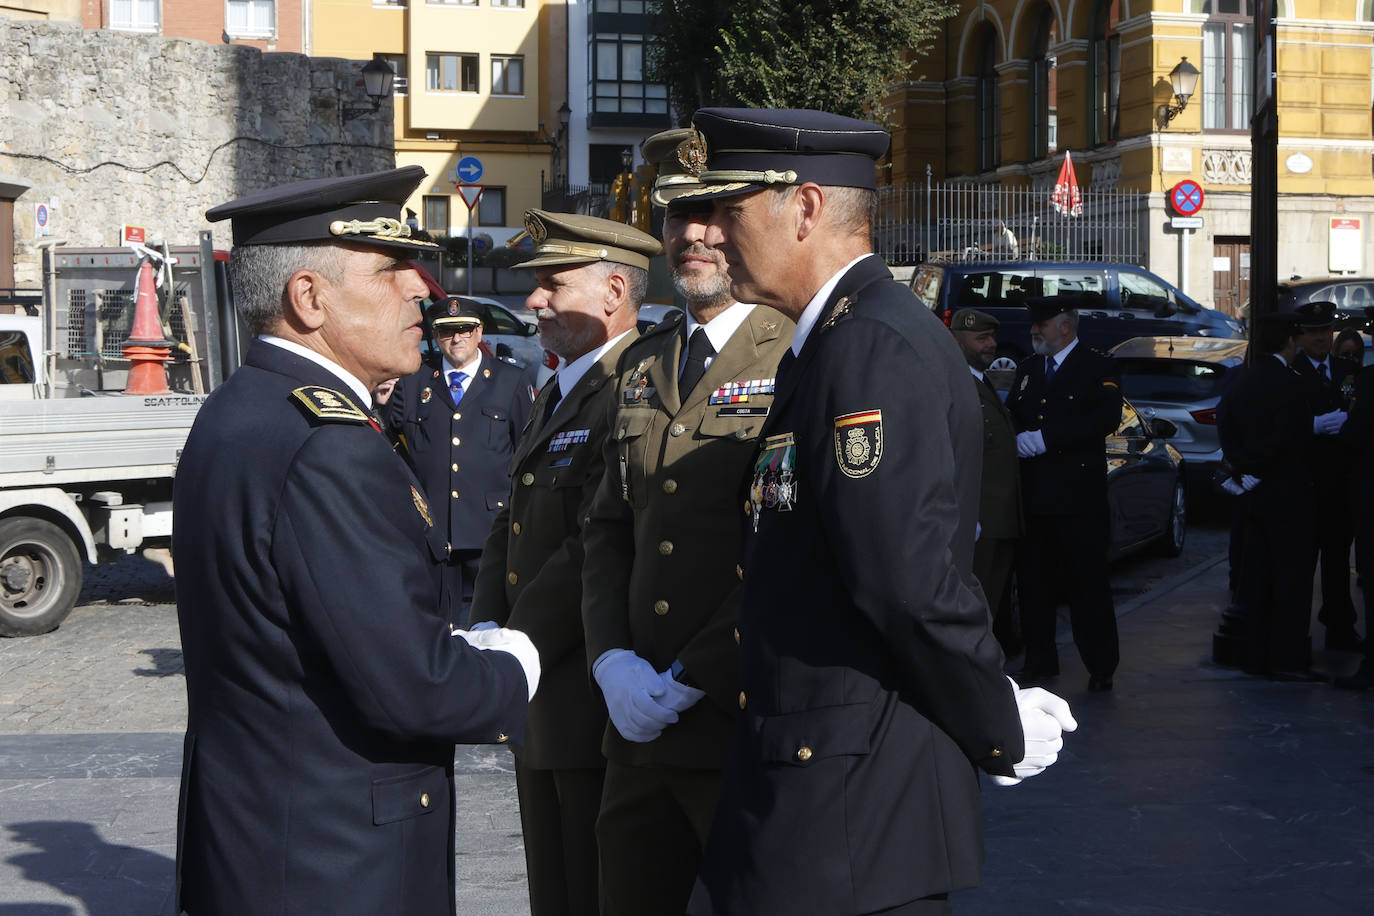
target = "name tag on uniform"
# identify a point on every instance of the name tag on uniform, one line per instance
(742, 412)
(739, 392)
(565, 440)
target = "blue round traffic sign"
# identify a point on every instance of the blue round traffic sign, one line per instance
(469, 170)
(1186, 197)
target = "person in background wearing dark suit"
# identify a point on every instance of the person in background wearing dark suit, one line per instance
(1358, 434)
(1265, 431)
(1327, 382)
(660, 586)
(1000, 523)
(458, 419)
(1065, 400)
(872, 688)
(592, 274)
(324, 692)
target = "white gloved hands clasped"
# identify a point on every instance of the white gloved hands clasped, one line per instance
(678, 696)
(1328, 424)
(1044, 719)
(500, 639)
(1030, 443)
(635, 695)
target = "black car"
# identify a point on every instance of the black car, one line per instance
(1353, 297)
(1146, 496)
(1114, 301)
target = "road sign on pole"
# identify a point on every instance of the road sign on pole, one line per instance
(1186, 197)
(471, 194)
(469, 170)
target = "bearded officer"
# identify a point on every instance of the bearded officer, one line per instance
(872, 687)
(459, 418)
(1000, 523)
(1065, 400)
(660, 585)
(324, 694)
(591, 275)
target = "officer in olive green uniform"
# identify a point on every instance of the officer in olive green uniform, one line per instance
(660, 583)
(592, 274)
(1000, 524)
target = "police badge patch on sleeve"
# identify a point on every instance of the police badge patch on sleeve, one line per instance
(859, 442)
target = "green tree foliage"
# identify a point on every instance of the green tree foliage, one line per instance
(833, 55)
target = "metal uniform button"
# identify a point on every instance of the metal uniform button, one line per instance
(678, 429)
(502, 738)
(515, 526)
(996, 752)
(457, 416)
(453, 466)
(739, 571)
(737, 636)
(665, 547)
(512, 578)
(453, 493)
(660, 607)
(741, 434)
(803, 753)
(456, 440)
(670, 486)
(748, 507)
(741, 699)
(527, 478)
(424, 799)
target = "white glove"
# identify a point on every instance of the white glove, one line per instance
(678, 696)
(1230, 486)
(1328, 424)
(1029, 444)
(1248, 482)
(1044, 719)
(483, 625)
(500, 639)
(633, 689)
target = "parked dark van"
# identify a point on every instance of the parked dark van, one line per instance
(1115, 301)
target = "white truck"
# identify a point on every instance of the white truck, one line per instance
(86, 470)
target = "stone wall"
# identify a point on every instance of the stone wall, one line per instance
(116, 129)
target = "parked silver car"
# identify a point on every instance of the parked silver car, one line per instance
(1181, 379)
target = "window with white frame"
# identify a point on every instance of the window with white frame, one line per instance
(1227, 64)
(436, 213)
(507, 75)
(134, 15)
(451, 73)
(250, 18)
(400, 82)
(508, 3)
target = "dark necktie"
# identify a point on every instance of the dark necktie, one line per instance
(1049, 368)
(555, 395)
(455, 385)
(1324, 373)
(699, 350)
(991, 387)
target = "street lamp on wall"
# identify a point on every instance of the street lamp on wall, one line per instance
(564, 118)
(1183, 80)
(377, 79)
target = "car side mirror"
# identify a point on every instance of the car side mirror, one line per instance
(1162, 428)
(530, 329)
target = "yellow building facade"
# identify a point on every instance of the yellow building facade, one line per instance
(476, 81)
(1013, 84)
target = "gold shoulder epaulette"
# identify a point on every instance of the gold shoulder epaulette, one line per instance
(326, 404)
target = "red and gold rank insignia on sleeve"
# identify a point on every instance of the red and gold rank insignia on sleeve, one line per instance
(859, 442)
(421, 506)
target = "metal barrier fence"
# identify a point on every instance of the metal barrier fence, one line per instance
(957, 221)
(559, 196)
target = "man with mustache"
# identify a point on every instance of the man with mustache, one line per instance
(592, 274)
(660, 584)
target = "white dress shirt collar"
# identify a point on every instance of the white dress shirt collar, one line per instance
(469, 368)
(976, 374)
(721, 328)
(348, 378)
(1063, 354)
(812, 313)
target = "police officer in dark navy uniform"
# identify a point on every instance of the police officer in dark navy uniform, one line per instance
(1358, 434)
(872, 689)
(324, 694)
(459, 418)
(1265, 430)
(1327, 382)
(1066, 399)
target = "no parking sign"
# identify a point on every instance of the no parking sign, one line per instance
(42, 218)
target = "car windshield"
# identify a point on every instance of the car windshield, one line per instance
(1169, 379)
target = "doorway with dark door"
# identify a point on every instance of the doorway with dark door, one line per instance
(1230, 274)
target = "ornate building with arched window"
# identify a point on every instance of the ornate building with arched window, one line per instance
(1013, 84)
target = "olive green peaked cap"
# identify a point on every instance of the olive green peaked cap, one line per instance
(572, 238)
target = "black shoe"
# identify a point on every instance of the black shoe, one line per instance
(1360, 680)
(1344, 640)
(1297, 676)
(1099, 684)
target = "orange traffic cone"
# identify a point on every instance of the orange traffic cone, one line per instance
(146, 349)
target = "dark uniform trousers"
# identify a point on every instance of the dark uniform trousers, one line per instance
(865, 713)
(999, 516)
(1067, 521)
(661, 578)
(1329, 463)
(1265, 430)
(462, 455)
(531, 579)
(1358, 434)
(324, 694)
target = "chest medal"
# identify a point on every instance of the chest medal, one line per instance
(773, 485)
